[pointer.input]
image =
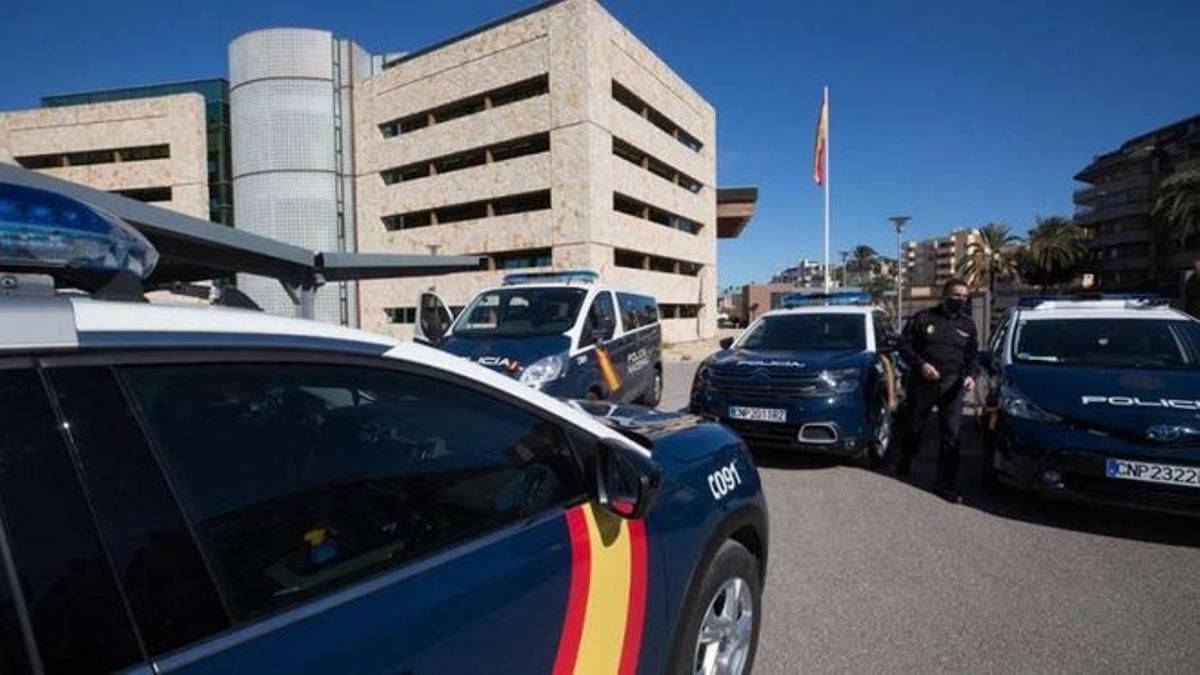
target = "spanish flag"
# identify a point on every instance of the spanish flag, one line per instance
(819, 143)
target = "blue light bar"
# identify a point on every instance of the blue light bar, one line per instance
(826, 299)
(565, 277)
(48, 233)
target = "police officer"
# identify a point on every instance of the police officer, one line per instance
(941, 349)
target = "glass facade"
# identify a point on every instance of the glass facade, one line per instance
(216, 112)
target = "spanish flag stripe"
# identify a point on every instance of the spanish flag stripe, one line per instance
(608, 595)
(611, 380)
(572, 630)
(631, 651)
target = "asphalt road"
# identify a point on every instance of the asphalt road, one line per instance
(872, 574)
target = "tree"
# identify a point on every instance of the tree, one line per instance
(878, 286)
(1177, 205)
(862, 259)
(1054, 253)
(992, 257)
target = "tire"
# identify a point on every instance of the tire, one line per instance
(875, 451)
(653, 396)
(733, 572)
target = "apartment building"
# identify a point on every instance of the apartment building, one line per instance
(1115, 207)
(151, 149)
(929, 263)
(549, 139)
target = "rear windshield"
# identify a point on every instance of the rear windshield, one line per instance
(1108, 342)
(830, 332)
(521, 312)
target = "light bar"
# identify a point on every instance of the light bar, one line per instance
(565, 276)
(826, 299)
(44, 232)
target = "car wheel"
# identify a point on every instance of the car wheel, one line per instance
(875, 450)
(718, 632)
(654, 395)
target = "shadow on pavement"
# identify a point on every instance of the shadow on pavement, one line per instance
(783, 459)
(1029, 508)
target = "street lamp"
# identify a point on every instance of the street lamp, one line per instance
(899, 222)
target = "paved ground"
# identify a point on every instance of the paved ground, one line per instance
(872, 574)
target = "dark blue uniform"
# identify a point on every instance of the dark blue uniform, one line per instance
(947, 341)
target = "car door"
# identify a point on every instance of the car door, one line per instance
(433, 319)
(360, 518)
(624, 347)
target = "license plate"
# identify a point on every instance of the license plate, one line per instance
(777, 415)
(1152, 473)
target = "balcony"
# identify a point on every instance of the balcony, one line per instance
(1141, 180)
(1093, 214)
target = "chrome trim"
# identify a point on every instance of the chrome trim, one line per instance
(820, 425)
(285, 618)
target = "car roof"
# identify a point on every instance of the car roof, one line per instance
(824, 309)
(72, 323)
(1161, 313)
(584, 287)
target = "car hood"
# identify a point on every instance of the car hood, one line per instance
(506, 354)
(1123, 401)
(782, 362)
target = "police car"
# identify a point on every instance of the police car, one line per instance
(559, 332)
(1096, 399)
(818, 375)
(209, 490)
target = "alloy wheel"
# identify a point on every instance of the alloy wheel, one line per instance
(723, 644)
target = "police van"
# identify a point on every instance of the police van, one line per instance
(559, 332)
(818, 375)
(1096, 398)
(201, 489)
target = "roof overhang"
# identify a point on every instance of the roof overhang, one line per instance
(192, 249)
(735, 208)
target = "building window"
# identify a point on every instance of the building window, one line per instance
(499, 152)
(454, 213)
(679, 311)
(512, 260)
(470, 105)
(90, 157)
(633, 207)
(633, 155)
(152, 194)
(655, 263)
(627, 98)
(401, 314)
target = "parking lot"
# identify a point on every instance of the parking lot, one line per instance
(872, 574)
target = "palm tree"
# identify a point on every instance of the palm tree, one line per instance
(863, 258)
(993, 256)
(1053, 254)
(1177, 206)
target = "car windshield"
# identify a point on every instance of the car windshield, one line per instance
(521, 312)
(1131, 343)
(829, 332)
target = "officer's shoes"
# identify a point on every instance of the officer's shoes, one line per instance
(949, 494)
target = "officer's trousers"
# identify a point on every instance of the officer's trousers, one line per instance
(923, 396)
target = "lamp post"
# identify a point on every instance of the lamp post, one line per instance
(899, 222)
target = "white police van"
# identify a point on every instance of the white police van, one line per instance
(561, 332)
(1096, 398)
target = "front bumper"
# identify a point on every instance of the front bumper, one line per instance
(1068, 464)
(837, 426)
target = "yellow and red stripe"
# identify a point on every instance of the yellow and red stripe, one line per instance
(611, 379)
(606, 603)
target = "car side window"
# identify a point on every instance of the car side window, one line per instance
(302, 478)
(70, 594)
(602, 320)
(649, 310)
(631, 315)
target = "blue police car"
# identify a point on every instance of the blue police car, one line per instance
(1096, 399)
(818, 376)
(201, 489)
(559, 332)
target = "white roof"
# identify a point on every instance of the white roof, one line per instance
(825, 309)
(1100, 309)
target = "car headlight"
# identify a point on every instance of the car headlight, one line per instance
(842, 381)
(543, 370)
(1014, 402)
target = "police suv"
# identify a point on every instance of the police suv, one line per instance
(208, 490)
(559, 332)
(1097, 399)
(818, 375)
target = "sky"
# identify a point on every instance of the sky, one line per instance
(954, 113)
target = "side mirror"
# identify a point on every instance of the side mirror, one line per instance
(626, 482)
(726, 343)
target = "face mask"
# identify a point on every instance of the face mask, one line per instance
(954, 306)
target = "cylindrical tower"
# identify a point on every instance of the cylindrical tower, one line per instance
(289, 119)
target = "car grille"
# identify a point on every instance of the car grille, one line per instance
(764, 433)
(1189, 441)
(759, 383)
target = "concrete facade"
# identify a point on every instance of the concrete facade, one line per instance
(119, 147)
(585, 57)
(931, 262)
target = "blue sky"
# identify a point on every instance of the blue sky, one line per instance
(955, 113)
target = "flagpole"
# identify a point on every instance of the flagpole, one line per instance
(828, 271)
